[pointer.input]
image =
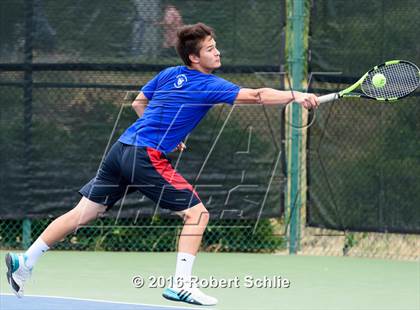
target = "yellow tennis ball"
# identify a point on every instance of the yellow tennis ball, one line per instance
(379, 80)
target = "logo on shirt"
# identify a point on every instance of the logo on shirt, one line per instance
(181, 79)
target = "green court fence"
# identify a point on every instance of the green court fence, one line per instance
(363, 157)
(49, 154)
(64, 82)
(67, 81)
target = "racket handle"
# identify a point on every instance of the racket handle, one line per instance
(328, 98)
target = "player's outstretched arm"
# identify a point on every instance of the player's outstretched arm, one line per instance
(139, 104)
(274, 96)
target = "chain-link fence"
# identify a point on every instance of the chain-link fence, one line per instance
(138, 31)
(64, 80)
(363, 156)
(60, 117)
(157, 234)
(51, 150)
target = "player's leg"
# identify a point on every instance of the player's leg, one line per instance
(150, 171)
(195, 223)
(85, 211)
(19, 266)
(106, 188)
(184, 289)
(173, 192)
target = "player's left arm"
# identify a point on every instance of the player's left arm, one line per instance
(270, 96)
(139, 104)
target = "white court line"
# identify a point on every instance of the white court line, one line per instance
(104, 301)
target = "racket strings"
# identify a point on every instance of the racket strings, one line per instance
(401, 79)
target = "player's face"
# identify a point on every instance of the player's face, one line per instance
(209, 55)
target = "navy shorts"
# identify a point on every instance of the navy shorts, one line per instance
(129, 168)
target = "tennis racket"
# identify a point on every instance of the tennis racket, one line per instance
(389, 81)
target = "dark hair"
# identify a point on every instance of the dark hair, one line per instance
(189, 40)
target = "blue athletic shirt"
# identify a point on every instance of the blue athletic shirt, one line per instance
(178, 99)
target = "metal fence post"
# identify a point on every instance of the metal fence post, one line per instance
(27, 115)
(296, 67)
(26, 233)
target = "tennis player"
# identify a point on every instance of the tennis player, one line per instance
(169, 107)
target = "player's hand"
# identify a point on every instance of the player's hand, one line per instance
(308, 101)
(180, 148)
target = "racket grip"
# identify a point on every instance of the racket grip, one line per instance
(328, 98)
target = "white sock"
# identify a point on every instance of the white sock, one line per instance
(184, 264)
(35, 251)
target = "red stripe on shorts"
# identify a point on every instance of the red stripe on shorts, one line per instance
(165, 169)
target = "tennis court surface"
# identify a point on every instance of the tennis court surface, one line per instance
(51, 302)
(103, 280)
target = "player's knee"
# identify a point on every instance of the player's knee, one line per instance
(86, 211)
(83, 219)
(198, 214)
(205, 217)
